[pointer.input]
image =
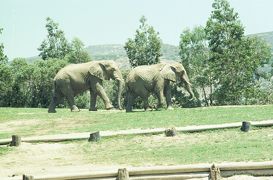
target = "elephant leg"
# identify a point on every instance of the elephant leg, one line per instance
(70, 98)
(160, 97)
(53, 104)
(100, 91)
(93, 101)
(130, 102)
(145, 96)
(146, 103)
(168, 96)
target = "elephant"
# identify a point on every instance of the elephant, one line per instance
(74, 79)
(155, 79)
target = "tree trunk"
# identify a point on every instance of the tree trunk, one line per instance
(94, 136)
(245, 126)
(123, 174)
(16, 140)
(205, 96)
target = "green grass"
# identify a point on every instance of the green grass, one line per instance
(186, 148)
(33, 121)
(207, 147)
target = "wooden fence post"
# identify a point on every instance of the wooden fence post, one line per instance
(245, 126)
(214, 173)
(123, 174)
(16, 140)
(94, 136)
(25, 177)
(170, 132)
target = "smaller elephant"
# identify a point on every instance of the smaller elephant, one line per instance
(77, 78)
(155, 79)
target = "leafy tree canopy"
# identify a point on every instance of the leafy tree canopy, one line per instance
(145, 48)
(233, 57)
(3, 57)
(56, 45)
(77, 54)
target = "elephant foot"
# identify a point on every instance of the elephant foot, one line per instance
(148, 109)
(160, 109)
(52, 111)
(93, 109)
(129, 110)
(170, 108)
(109, 107)
(75, 109)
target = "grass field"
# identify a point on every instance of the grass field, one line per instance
(27, 121)
(186, 148)
(211, 146)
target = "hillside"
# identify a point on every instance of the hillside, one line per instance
(169, 52)
(116, 52)
(267, 36)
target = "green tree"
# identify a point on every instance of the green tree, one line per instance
(56, 45)
(6, 77)
(77, 54)
(194, 53)
(21, 94)
(43, 74)
(145, 48)
(232, 60)
(3, 57)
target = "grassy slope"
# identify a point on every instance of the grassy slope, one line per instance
(26, 121)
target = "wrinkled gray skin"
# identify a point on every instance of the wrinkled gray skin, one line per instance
(155, 79)
(77, 78)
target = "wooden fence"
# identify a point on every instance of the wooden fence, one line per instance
(199, 171)
(82, 136)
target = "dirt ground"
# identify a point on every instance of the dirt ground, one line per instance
(43, 159)
(55, 158)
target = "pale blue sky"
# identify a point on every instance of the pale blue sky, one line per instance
(114, 21)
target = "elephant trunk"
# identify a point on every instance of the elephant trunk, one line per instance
(187, 85)
(120, 84)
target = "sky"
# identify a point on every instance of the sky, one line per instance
(114, 21)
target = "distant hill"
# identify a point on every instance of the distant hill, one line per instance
(169, 52)
(267, 36)
(116, 52)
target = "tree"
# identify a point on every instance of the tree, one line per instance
(232, 59)
(144, 49)
(21, 94)
(6, 77)
(77, 54)
(194, 53)
(56, 45)
(43, 75)
(3, 57)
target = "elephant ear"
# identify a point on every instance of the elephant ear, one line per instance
(168, 72)
(97, 70)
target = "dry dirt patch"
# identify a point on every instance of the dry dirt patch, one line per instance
(14, 125)
(42, 158)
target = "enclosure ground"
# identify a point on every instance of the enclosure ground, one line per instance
(149, 150)
(127, 151)
(33, 121)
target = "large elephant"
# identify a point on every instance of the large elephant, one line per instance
(155, 79)
(77, 78)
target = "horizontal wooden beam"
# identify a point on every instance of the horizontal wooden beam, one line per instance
(173, 172)
(82, 136)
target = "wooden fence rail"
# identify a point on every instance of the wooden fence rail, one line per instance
(81, 136)
(202, 171)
